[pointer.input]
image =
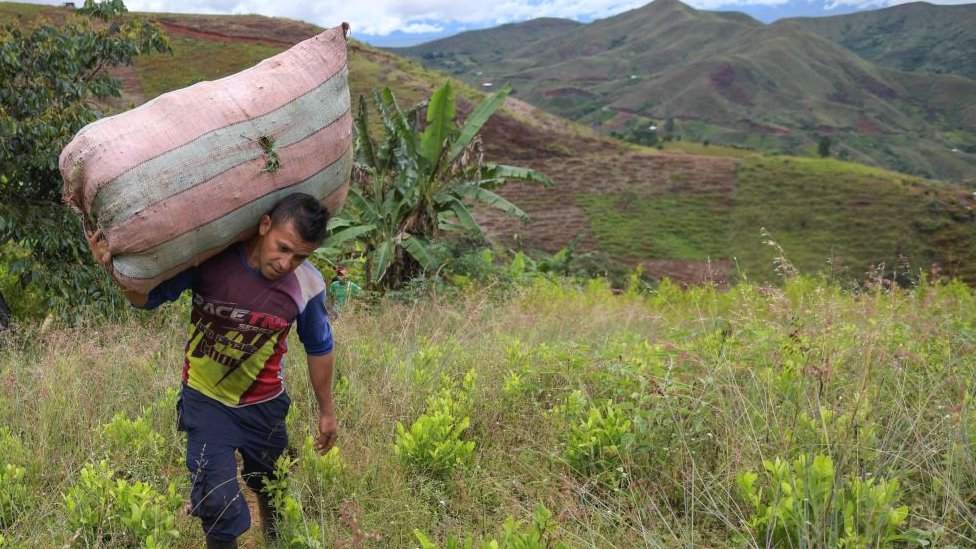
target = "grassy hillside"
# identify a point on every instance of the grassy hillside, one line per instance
(634, 418)
(910, 37)
(466, 52)
(694, 217)
(729, 79)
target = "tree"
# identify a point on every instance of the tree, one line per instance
(420, 182)
(4, 314)
(51, 79)
(669, 128)
(823, 147)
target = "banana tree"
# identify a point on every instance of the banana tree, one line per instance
(419, 182)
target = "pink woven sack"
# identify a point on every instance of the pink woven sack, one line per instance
(176, 180)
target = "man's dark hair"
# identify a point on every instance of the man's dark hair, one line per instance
(308, 215)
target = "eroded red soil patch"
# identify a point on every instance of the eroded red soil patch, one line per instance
(717, 272)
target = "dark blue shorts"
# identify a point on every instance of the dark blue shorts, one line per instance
(214, 432)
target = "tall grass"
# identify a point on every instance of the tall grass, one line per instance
(629, 416)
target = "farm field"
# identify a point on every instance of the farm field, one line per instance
(753, 417)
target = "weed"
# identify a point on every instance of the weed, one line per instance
(294, 529)
(326, 468)
(805, 505)
(434, 445)
(103, 508)
(13, 494)
(270, 148)
(596, 446)
(131, 443)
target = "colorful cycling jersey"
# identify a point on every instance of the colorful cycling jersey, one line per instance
(239, 325)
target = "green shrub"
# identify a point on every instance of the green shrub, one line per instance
(596, 445)
(130, 436)
(132, 446)
(326, 468)
(433, 444)
(294, 531)
(11, 448)
(13, 494)
(805, 505)
(13, 478)
(105, 509)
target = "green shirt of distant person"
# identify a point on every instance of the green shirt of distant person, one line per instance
(342, 289)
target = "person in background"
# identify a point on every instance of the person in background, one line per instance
(341, 290)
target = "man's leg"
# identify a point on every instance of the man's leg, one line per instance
(211, 441)
(265, 439)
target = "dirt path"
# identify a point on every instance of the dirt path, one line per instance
(132, 93)
(180, 30)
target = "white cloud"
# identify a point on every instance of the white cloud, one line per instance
(874, 4)
(382, 17)
(729, 4)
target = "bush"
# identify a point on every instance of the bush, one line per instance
(13, 484)
(433, 444)
(804, 505)
(130, 437)
(51, 81)
(13, 494)
(596, 446)
(326, 468)
(294, 531)
(102, 508)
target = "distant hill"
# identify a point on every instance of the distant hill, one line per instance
(468, 50)
(917, 37)
(690, 211)
(727, 78)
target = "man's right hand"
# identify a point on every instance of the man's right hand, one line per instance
(102, 256)
(100, 251)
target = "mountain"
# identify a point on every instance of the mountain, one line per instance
(469, 50)
(727, 78)
(916, 37)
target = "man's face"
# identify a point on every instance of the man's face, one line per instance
(280, 249)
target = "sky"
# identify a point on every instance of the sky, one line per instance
(407, 22)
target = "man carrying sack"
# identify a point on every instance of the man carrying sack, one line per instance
(245, 301)
(225, 188)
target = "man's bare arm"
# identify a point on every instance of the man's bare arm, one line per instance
(102, 256)
(320, 369)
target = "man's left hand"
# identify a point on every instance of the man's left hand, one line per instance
(328, 433)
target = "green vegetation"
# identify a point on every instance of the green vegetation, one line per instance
(805, 505)
(194, 60)
(667, 418)
(827, 215)
(657, 227)
(844, 218)
(417, 184)
(916, 37)
(51, 78)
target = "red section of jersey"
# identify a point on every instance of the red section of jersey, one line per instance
(268, 382)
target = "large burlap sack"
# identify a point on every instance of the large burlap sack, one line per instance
(178, 179)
